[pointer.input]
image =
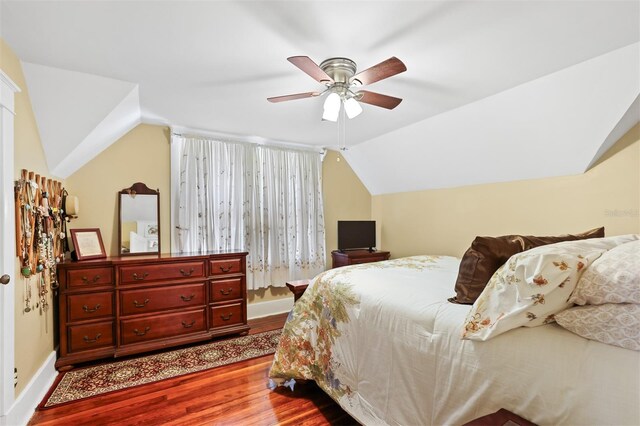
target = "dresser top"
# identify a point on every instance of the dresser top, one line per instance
(163, 257)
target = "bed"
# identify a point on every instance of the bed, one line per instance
(383, 341)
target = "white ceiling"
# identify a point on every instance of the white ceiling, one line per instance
(211, 65)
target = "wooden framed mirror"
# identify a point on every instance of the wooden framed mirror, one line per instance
(139, 220)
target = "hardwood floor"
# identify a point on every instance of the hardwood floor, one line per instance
(235, 394)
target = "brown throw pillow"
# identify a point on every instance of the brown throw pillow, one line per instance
(487, 254)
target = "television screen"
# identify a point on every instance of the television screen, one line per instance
(354, 234)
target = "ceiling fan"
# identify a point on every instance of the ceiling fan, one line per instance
(339, 75)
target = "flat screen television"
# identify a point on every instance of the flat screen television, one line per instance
(356, 234)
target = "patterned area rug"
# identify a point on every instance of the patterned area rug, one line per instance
(98, 380)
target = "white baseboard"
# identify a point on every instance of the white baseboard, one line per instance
(26, 403)
(270, 307)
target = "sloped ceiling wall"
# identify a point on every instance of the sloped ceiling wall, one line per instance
(552, 126)
(494, 91)
(79, 114)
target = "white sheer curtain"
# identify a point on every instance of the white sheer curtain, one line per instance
(264, 200)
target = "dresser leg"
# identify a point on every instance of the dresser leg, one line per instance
(64, 368)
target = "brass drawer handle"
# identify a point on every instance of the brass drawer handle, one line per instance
(227, 269)
(187, 274)
(140, 305)
(226, 293)
(187, 298)
(140, 278)
(93, 281)
(95, 339)
(185, 325)
(227, 318)
(141, 333)
(90, 310)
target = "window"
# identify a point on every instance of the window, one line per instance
(261, 199)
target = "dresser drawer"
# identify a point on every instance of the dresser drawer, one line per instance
(89, 276)
(144, 300)
(226, 266)
(89, 305)
(161, 326)
(223, 316)
(163, 271)
(90, 336)
(229, 289)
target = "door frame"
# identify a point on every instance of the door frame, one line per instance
(7, 244)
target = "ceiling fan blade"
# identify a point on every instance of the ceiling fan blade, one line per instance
(276, 99)
(377, 99)
(311, 68)
(385, 69)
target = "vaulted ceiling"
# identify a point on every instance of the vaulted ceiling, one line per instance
(494, 90)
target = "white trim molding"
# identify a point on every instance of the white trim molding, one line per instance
(188, 132)
(270, 307)
(10, 85)
(33, 393)
(7, 245)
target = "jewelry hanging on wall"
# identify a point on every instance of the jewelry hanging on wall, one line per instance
(35, 223)
(51, 262)
(40, 234)
(43, 294)
(40, 254)
(23, 222)
(27, 295)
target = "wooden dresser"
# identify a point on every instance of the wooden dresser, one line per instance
(125, 305)
(353, 257)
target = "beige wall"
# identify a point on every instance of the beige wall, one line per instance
(445, 221)
(345, 197)
(33, 330)
(128, 160)
(142, 155)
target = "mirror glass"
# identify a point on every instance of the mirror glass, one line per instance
(139, 230)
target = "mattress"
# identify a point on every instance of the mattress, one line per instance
(382, 341)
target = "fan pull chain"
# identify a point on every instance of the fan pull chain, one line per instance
(342, 131)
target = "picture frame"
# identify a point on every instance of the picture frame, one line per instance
(88, 244)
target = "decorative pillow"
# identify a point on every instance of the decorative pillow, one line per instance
(612, 323)
(613, 278)
(487, 254)
(533, 286)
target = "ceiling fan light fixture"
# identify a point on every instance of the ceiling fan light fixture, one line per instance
(331, 107)
(339, 75)
(352, 108)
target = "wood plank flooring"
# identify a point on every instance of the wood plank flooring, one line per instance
(235, 394)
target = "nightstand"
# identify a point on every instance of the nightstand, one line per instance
(297, 287)
(354, 257)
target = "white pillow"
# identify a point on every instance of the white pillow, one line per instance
(533, 286)
(612, 323)
(613, 278)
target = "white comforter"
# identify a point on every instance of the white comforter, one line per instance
(383, 341)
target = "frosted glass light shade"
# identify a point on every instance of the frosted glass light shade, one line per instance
(331, 107)
(352, 108)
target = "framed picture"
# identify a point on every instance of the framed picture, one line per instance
(88, 243)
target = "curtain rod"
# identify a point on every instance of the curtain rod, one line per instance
(255, 140)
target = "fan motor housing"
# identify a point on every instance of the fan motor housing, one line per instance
(339, 69)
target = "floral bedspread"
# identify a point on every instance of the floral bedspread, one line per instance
(315, 341)
(382, 341)
(306, 345)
